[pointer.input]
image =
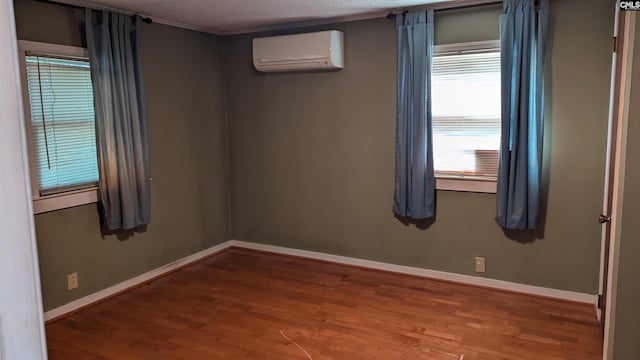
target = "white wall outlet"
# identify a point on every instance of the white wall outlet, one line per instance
(479, 264)
(72, 281)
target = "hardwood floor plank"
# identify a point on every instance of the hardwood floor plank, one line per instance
(235, 304)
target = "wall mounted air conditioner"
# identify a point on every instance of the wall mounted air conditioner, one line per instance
(311, 51)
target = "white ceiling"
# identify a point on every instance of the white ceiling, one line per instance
(237, 16)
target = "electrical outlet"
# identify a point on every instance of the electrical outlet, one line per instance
(72, 281)
(479, 264)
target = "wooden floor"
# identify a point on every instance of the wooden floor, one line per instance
(235, 304)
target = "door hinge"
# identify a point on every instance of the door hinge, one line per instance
(600, 302)
(615, 44)
(603, 219)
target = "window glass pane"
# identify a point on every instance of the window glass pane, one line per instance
(466, 114)
(62, 122)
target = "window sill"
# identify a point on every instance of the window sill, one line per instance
(468, 185)
(65, 200)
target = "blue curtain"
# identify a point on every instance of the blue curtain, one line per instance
(121, 129)
(414, 179)
(523, 37)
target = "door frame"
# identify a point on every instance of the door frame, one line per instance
(620, 138)
(21, 321)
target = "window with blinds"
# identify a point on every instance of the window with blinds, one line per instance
(466, 114)
(62, 123)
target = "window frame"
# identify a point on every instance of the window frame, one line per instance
(61, 200)
(460, 183)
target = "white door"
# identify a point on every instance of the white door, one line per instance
(616, 145)
(21, 324)
(612, 150)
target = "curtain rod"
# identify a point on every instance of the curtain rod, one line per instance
(445, 6)
(144, 19)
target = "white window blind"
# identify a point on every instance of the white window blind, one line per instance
(62, 123)
(466, 115)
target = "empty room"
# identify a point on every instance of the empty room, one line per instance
(326, 179)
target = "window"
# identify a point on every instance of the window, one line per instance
(466, 116)
(60, 125)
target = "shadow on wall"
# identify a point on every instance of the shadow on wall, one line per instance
(121, 235)
(523, 236)
(422, 224)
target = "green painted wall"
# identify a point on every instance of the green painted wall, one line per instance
(188, 160)
(312, 156)
(626, 322)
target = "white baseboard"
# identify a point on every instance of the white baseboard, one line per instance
(140, 279)
(433, 274)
